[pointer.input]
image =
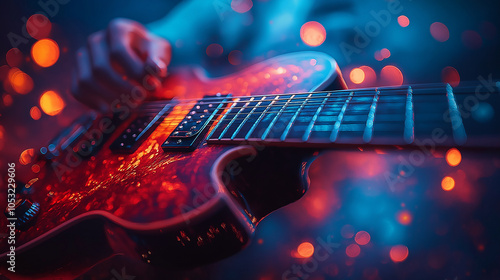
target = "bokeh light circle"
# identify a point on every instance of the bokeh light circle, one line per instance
(305, 249)
(357, 75)
(51, 103)
(313, 33)
(440, 32)
(391, 76)
(448, 183)
(45, 52)
(38, 26)
(399, 253)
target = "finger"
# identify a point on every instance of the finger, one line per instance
(121, 37)
(87, 90)
(102, 69)
(159, 54)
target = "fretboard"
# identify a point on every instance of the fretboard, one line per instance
(441, 116)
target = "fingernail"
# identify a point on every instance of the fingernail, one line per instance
(161, 68)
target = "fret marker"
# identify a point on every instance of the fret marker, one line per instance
(409, 132)
(455, 117)
(367, 135)
(336, 126)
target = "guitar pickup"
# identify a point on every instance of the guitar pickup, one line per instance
(191, 130)
(138, 131)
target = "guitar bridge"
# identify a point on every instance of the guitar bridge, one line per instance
(191, 130)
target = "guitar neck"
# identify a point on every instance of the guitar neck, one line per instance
(409, 115)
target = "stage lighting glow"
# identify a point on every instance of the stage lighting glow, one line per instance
(35, 113)
(14, 57)
(45, 52)
(20, 81)
(391, 75)
(305, 249)
(214, 50)
(448, 183)
(440, 32)
(51, 103)
(353, 250)
(38, 26)
(313, 33)
(241, 6)
(451, 76)
(404, 217)
(398, 253)
(453, 157)
(357, 75)
(403, 21)
(362, 238)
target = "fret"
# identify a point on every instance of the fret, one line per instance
(456, 118)
(223, 118)
(246, 118)
(247, 136)
(234, 118)
(368, 133)
(393, 116)
(289, 126)
(313, 120)
(273, 122)
(336, 126)
(409, 130)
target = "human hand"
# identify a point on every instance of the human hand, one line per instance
(117, 59)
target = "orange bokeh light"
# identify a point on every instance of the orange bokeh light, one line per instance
(362, 238)
(45, 52)
(313, 33)
(453, 157)
(391, 75)
(440, 32)
(353, 250)
(399, 253)
(305, 249)
(38, 26)
(35, 113)
(450, 75)
(404, 217)
(51, 103)
(448, 183)
(404, 21)
(26, 156)
(357, 75)
(20, 81)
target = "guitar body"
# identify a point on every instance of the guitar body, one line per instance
(167, 208)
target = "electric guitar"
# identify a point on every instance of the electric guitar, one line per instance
(182, 182)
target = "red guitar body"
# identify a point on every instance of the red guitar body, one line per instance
(168, 209)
